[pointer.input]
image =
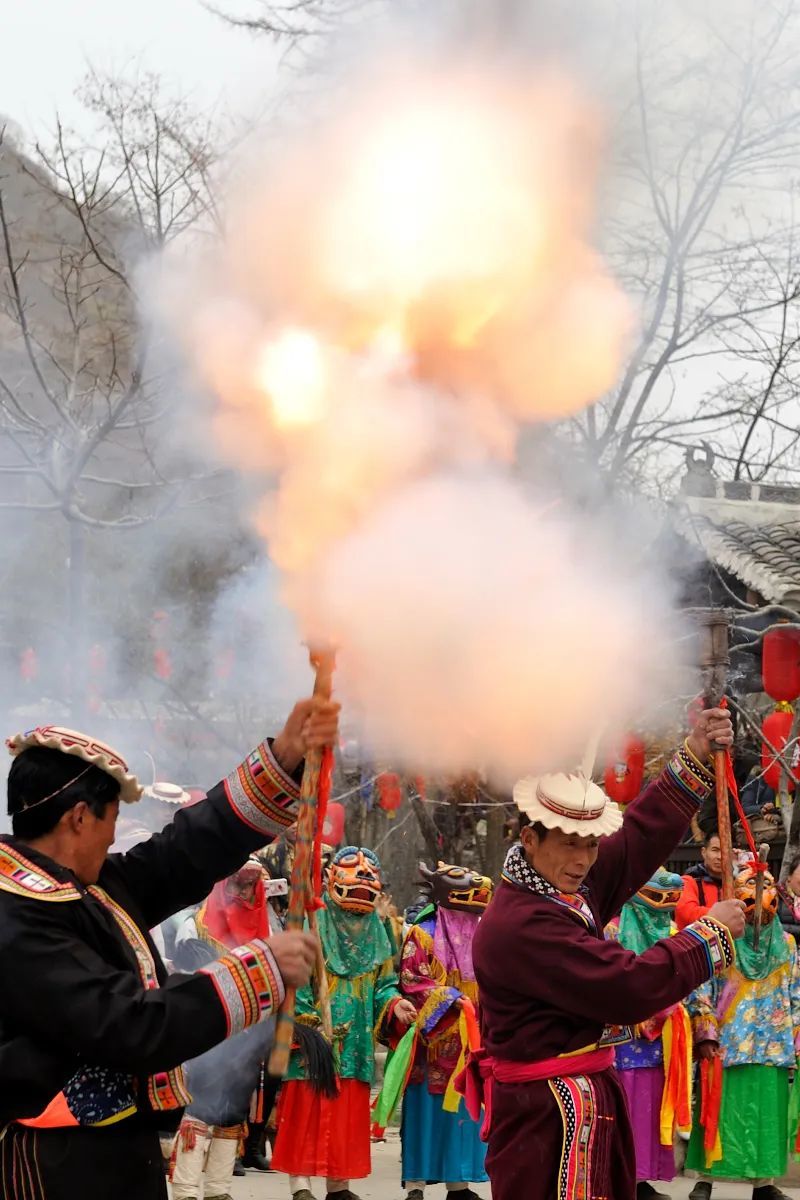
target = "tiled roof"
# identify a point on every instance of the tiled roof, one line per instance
(757, 541)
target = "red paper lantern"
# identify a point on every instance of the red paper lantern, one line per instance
(162, 664)
(776, 729)
(624, 774)
(389, 796)
(333, 826)
(98, 660)
(780, 663)
(28, 665)
(225, 663)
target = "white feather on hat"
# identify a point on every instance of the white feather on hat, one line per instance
(571, 803)
(97, 754)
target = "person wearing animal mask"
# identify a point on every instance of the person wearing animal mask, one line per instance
(329, 1135)
(746, 1027)
(653, 1066)
(441, 1142)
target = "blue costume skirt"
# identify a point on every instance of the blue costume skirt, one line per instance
(438, 1146)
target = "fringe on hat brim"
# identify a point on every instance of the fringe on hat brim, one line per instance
(52, 738)
(608, 822)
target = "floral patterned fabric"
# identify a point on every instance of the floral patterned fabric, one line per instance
(755, 1021)
(435, 991)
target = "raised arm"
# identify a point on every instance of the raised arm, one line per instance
(653, 826)
(655, 823)
(209, 841)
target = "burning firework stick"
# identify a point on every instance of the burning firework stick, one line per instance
(301, 888)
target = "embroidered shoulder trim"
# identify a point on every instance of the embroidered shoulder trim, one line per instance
(23, 878)
(262, 794)
(166, 1090)
(248, 984)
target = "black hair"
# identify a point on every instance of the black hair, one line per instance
(708, 834)
(794, 864)
(40, 771)
(538, 828)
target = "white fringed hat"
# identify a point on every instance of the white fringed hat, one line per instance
(167, 793)
(572, 803)
(97, 754)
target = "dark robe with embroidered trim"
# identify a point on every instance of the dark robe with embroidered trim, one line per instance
(550, 985)
(72, 996)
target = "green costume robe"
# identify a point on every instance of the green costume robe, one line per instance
(363, 986)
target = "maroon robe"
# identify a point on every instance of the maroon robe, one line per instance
(550, 984)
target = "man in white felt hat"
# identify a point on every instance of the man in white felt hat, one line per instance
(556, 997)
(92, 1032)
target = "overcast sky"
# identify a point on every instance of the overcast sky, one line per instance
(46, 44)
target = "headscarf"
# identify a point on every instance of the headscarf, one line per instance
(772, 952)
(452, 940)
(230, 919)
(641, 924)
(354, 943)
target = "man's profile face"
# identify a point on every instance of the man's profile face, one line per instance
(95, 836)
(563, 859)
(712, 857)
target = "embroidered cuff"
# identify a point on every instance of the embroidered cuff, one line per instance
(705, 1029)
(248, 984)
(262, 794)
(438, 1002)
(717, 943)
(693, 779)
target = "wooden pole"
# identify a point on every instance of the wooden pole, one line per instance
(323, 662)
(715, 660)
(724, 824)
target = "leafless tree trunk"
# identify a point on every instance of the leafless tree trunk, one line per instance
(82, 408)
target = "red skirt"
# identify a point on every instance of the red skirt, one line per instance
(323, 1137)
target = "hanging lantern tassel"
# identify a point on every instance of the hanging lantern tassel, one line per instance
(306, 870)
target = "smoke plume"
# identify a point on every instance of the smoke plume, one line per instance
(409, 285)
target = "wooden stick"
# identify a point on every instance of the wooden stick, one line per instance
(724, 823)
(715, 659)
(301, 868)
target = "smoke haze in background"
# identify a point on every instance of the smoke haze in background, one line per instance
(409, 285)
(423, 426)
